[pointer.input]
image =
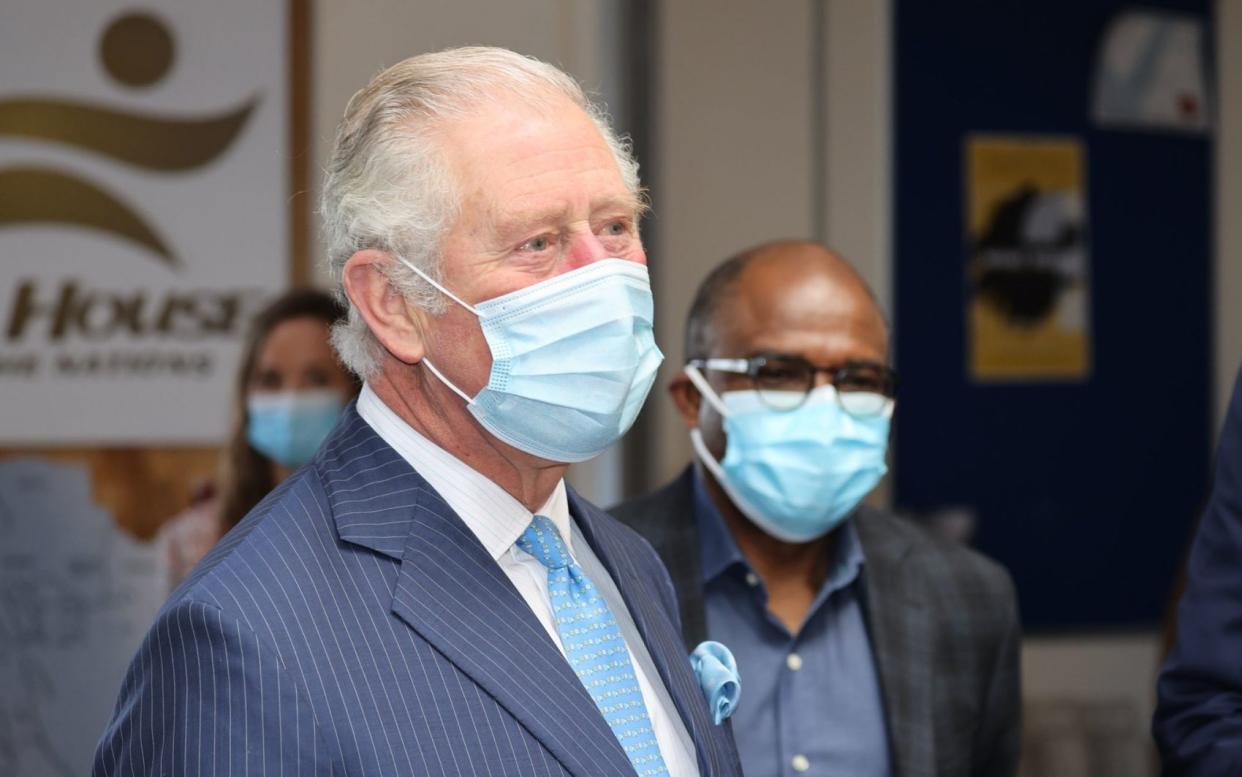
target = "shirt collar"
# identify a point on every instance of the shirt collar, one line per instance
(489, 511)
(718, 551)
(848, 559)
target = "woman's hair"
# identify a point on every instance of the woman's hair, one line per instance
(246, 474)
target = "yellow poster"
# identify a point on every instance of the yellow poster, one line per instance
(1028, 269)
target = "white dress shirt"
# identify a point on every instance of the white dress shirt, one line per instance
(498, 520)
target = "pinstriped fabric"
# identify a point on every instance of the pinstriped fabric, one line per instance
(352, 625)
(498, 520)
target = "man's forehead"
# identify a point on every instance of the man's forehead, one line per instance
(802, 280)
(505, 126)
(511, 161)
(794, 301)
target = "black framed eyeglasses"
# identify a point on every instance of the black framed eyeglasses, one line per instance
(863, 388)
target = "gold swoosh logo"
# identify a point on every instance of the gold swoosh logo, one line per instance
(147, 141)
(35, 195)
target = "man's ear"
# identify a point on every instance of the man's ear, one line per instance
(398, 325)
(687, 399)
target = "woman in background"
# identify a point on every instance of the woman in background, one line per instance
(290, 391)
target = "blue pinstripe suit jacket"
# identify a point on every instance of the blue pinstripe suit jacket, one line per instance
(353, 625)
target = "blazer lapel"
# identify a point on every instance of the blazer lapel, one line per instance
(451, 591)
(658, 631)
(901, 640)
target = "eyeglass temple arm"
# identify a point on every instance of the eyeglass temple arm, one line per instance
(739, 366)
(705, 390)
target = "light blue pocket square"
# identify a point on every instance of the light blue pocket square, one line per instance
(717, 672)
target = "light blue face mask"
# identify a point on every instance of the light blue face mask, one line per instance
(289, 426)
(573, 358)
(796, 474)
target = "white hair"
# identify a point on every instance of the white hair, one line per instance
(387, 185)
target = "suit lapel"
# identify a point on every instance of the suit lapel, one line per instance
(451, 591)
(901, 640)
(658, 631)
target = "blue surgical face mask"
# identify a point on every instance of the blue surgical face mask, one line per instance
(573, 358)
(796, 474)
(289, 426)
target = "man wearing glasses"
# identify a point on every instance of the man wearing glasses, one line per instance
(867, 647)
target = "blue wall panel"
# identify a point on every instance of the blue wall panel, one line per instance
(1085, 491)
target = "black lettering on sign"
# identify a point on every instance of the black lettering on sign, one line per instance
(73, 311)
(144, 363)
(19, 365)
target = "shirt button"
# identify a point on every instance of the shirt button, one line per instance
(800, 763)
(752, 579)
(793, 661)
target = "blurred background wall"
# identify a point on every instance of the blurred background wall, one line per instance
(756, 121)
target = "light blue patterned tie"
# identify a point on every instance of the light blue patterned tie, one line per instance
(594, 647)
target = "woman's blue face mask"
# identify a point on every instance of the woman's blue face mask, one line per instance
(289, 426)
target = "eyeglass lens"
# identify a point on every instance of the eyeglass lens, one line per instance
(783, 383)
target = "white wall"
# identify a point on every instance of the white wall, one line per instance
(859, 138)
(1115, 670)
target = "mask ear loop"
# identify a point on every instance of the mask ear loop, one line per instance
(717, 470)
(440, 288)
(705, 389)
(446, 381)
(456, 299)
(696, 436)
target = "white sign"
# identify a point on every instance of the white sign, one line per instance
(144, 212)
(1151, 74)
(77, 595)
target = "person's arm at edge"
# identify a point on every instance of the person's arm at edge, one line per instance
(1198, 719)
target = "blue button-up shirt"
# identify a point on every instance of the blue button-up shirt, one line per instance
(811, 701)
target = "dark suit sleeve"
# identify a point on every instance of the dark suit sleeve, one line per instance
(1000, 727)
(1198, 721)
(204, 695)
(665, 583)
(666, 521)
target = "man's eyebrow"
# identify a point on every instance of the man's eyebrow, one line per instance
(521, 220)
(628, 203)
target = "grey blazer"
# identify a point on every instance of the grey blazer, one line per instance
(943, 622)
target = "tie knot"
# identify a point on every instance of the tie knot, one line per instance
(543, 541)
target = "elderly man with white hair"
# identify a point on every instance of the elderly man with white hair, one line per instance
(427, 596)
